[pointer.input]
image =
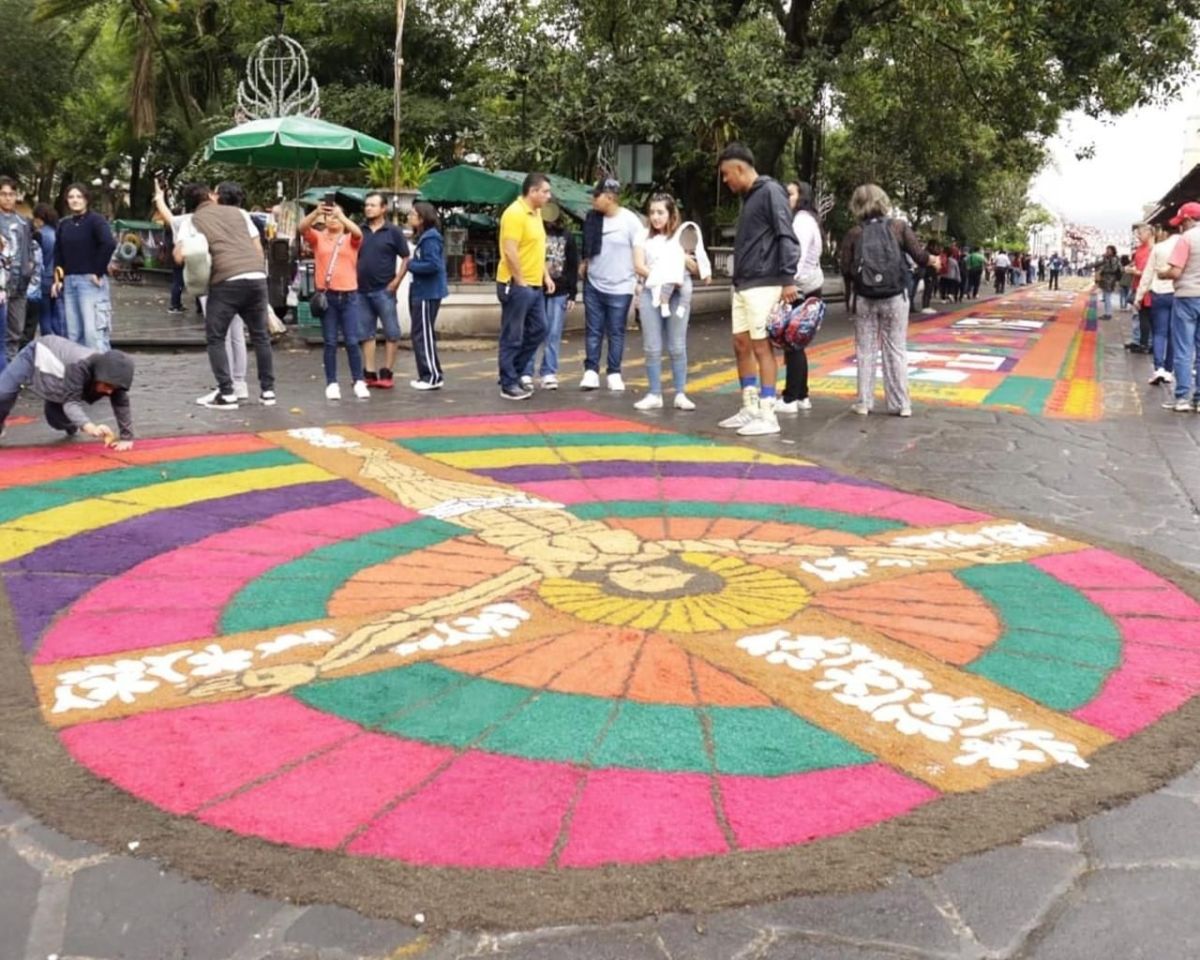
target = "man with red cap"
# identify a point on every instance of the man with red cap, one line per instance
(1184, 268)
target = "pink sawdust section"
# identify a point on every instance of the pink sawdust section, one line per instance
(505, 424)
(181, 759)
(638, 816)
(1160, 633)
(767, 812)
(484, 811)
(175, 597)
(865, 501)
(322, 801)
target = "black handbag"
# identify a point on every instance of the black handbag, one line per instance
(318, 303)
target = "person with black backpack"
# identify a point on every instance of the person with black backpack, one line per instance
(873, 254)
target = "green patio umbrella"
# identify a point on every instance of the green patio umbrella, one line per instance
(465, 184)
(294, 143)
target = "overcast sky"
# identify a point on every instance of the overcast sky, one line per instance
(1137, 160)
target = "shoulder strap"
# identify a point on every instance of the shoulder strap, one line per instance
(332, 260)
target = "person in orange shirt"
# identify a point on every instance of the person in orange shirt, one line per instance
(335, 240)
(1140, 333)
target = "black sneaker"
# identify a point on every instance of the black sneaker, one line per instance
(268, 398)
(515, 393)
(221, 401)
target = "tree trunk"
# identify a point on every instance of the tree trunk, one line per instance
(808, 162)
(139, 196)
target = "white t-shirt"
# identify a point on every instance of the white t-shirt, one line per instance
(808, 267)
(664, 258)
(611, 271)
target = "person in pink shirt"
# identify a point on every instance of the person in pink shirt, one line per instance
(1183, 266)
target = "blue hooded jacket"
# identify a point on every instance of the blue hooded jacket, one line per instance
(428, 267)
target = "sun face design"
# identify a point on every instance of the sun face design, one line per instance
(558, 643)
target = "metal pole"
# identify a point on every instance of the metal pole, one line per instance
(399, 71)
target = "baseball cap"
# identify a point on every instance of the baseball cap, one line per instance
(606, 185)
(1189, 211)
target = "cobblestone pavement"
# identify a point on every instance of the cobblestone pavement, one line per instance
(1122, 884)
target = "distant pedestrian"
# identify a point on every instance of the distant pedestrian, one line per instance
(873, 251)
(562, 264)
(382, 262)
(335, 240)
(522, 284)
(609, 280)
(237, 285)
(766, 255)
(18, 239)
(52, 317)
(1056, 267)
(83, 250)
(1183, 266)
(1001, 264)
(427, 265)
(1140, 332)
(1108, 278)
(975, 264)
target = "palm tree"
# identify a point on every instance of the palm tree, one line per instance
(143, 16)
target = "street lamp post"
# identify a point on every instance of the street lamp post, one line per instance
(398, 74)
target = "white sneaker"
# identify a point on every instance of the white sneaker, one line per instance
(651, 401)
(762, 425)
(1168, 376)
(527, 383)
(206, 399)
(738, 420)
(860, 408)
(333, 392)
(361, 391)
(1158, 376)
(793, 406)
(425, 385)
(241, 389)
(549, 382)
(268, 398)
(615, 383)
(904, 412)
(590, 381)
(683, 402)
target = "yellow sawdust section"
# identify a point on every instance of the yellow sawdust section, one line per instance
(916, 755)
(1082, 400)
(543, 623)
(549, 456)
(934, 392)
(36, 530)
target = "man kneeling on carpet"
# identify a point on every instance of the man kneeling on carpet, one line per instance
(67, 376)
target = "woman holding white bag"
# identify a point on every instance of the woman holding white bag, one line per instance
(666, 255)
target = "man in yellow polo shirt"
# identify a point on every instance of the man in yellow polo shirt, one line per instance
(522, 284)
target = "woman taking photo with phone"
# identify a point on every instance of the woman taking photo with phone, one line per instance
(335, 240)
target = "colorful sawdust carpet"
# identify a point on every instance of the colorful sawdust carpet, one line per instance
(558, 647)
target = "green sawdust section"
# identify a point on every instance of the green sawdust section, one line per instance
(766, 512)
(19, 501)
(301, 589)
(429, 445)
(433, 704)
(1057, 647)
(1026, 393)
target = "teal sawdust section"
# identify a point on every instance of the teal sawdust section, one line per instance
(1057, 647)
(20, 501)
(433, 445)
(301, 589)
(1025, 393)
(433, 704)
(767, 512)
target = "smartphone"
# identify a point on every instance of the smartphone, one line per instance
(330, 199)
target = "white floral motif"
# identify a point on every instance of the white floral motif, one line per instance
(495, 620)
(835, 569)
(1017, 535)
(943, 540)
(163, 666)
(885, 688)
(288, 640)
(318, 437)
(103, 682)
(448, 509)
(213, 660)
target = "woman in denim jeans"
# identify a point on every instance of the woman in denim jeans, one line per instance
(653, 244)
(335, 240)
(82, 251)
(562, 263)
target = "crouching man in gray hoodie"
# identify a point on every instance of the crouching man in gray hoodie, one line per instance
(68, 377)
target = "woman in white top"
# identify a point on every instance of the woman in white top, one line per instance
(666, 299)
(1162, 300)
(809, 280)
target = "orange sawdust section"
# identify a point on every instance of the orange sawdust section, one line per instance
(932, 612)
(414, 578)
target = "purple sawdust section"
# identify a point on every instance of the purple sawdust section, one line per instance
(637, 468)
(66, 570)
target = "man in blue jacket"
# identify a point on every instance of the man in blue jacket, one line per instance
(765, 254)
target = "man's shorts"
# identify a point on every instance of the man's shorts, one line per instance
(752, 307)
(379, 305)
